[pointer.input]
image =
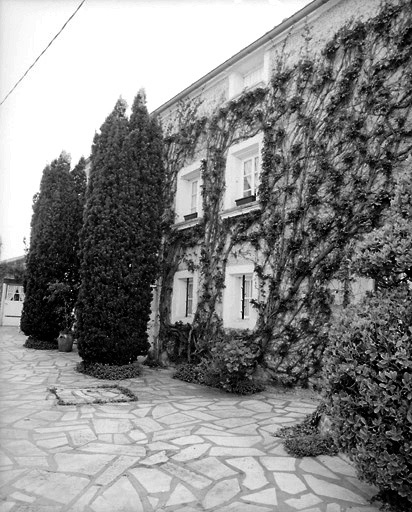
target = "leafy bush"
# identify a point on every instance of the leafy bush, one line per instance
(36, 344)
(233, 361)
(190, 373)
(204, 373)
(368, 371)
(305, 440)
(311, 446)
(109, 372)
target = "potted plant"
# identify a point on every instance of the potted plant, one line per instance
(61, 294)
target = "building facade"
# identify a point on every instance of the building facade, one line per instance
(275, 166)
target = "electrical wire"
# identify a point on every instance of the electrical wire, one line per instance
(42, 53)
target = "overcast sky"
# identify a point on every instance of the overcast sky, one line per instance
(110, 48)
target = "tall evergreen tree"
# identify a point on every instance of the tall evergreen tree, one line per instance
(52, 258)
(121, 237)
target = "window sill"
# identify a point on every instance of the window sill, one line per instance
(240, 210)
(187, 223)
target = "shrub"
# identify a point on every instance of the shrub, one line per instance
(36, 344)
(233, 361)
(368, 371)
(305, 440)
(109, 372)
(205, 373)
(190, 373)
(311, 446)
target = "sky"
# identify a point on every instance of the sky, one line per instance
(110, 48)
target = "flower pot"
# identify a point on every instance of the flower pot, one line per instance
(65, 342)
(245, 200)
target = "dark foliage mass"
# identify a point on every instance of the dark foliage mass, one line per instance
(368, 368)
(51, 278)
(121, 237)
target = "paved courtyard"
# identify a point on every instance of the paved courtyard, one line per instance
(180, 447)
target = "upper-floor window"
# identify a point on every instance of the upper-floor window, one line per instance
(243, 167)
(194, 196)
(253, 77)
(250, 176)
(188, 205)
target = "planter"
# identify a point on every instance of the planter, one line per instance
(245, 200)
(65, 342)
(191, 216)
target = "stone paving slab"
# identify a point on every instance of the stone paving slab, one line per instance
(180, 448)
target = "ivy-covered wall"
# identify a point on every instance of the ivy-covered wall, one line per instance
(336, 126)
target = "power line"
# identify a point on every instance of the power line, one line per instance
(47, 47)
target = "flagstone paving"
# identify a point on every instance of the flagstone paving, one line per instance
(180, 447)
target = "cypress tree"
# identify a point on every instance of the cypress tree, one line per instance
(52, 256)
(120, 238)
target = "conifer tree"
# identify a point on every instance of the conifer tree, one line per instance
(120, 238)
(52, 258)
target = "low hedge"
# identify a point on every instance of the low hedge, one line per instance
(36, 344)
(109, 372)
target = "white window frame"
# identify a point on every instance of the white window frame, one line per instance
(184, 296)
(186, 202)
(235, 315)
(238, 155)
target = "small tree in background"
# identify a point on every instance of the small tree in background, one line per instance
(52, 257)
(121, 237)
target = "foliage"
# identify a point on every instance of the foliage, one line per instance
(311, 445)
(385, 254)
(52, 257)
(121, 237)
(230, 367)
(109, 372)
(305, 440)
(189, 372)
(36, 344)
(368, 368)
(233, 360)
(204, 373)
(368, 374)
(13, 269)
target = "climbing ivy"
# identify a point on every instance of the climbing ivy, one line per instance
(336, 128)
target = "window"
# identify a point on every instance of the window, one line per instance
(189, 297)
(188, 204)
(253, 77)
(184, 296)
(242, 174)
(241, 287)
(194, 196)
(250, 176)
(245, 284)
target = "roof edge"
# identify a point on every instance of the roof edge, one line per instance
(278, 29)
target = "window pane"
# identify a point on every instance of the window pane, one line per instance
(189, 296)
(193, 203)
(245, 295)
(247, 178)
(256, 174)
